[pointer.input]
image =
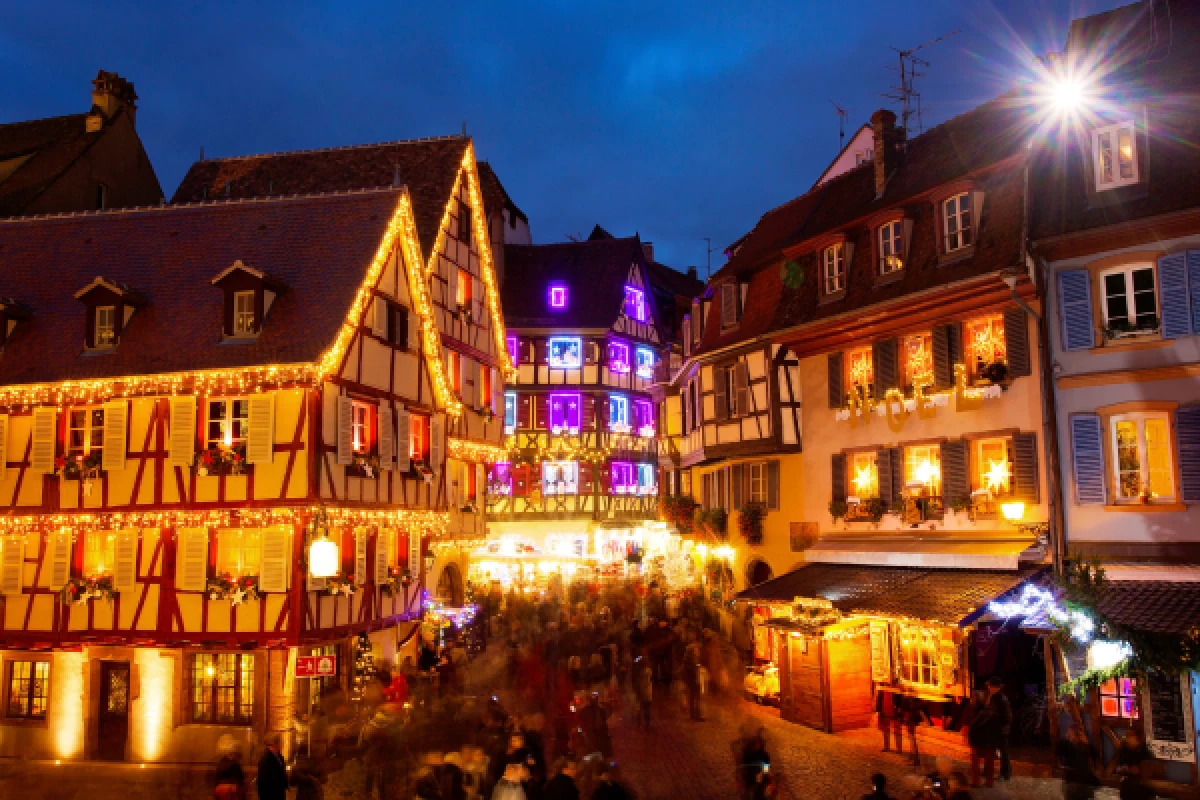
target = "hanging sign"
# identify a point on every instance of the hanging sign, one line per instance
(316, 666)
(1167, 704)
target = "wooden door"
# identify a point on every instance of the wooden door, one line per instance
(807, 681)
(114, 710)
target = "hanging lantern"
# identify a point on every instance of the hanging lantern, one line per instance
(322, 550)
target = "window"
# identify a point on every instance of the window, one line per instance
(565, 412)
(956, 216)
(728, 377)
(646, 480)
(993, 466)
(923, 470)
(483, 396)
(500, 479)
(1119, 698)
(565, 352)
(560, 477)
(223, 688)
(418, 437)
(1114, 151)
(643, 417)
(624, 478)
(106, 326)
(730, 307)
(510, 412)
(228, 424)
(514, 349)
(860, 371)
(618, 413)
(916, 354)
(85, 432)
(320, 687)
(101, 196)
(986, 344)
(28, 689)
(833, 268)
(891, 247)
(462, 289)
(758, 482)
(635, 303)
(454, 371)
(239, 552)
(361, 429)
(864, 475)
(99, 553)
(1130, 301)
(243, 314)
(397, 332)
(1142, 457)
(618, 357)
(464, 222)
(558, 296)
(918, 656)
(645, 362)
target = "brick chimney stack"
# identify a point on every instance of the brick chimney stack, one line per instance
(648, 250)
(111, 93)
(888, 141)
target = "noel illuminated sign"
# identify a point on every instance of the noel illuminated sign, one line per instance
(896, 409)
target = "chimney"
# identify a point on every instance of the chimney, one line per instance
(887, 147)
(648, 250)
(691, 273)
(111, 93)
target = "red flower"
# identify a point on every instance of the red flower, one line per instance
(74, 589)
(249, 581)
(207, 458)
(236, 457)
(60, 462)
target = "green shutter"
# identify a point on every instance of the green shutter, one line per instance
(1025, 467)
(837, 395)
(956, 483)
(1016, 338)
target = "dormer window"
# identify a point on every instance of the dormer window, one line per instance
(249, 294)
(731, 305)
(243, 314)
(109, 308)
(558, 296)
(635, 303)
(956, 222)
(1114, 153)
(833, 268)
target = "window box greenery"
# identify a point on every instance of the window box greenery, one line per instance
(750, 522)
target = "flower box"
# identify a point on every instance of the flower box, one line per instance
(236, 590)
(221, 461)
(80, 590)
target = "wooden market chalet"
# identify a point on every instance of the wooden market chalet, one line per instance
(201, 392)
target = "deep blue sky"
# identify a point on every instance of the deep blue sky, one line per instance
(676, 120)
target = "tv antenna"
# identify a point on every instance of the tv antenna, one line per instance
(575, 237)
(842, 114)
(905, 93)
(708, 256)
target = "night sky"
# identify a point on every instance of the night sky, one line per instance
(678, 121)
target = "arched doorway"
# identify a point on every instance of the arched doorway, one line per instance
(758, 571)
(450, 586)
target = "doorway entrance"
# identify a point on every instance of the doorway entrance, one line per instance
(114, 710)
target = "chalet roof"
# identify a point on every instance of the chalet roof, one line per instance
(495, 196)
(35, 153)
(320, 246)
(427, 167)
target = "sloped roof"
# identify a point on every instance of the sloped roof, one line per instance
(320, 247)
(495, 196)
(427, 167)
(34, 153)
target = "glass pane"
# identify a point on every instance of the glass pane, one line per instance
(41, 672)
(1143, 279)
(1158, 458)
(1104, 146)
(79, 418)
(1116, 304)
(1129, 707)
(1108, 706)
(1129, 468)
(217, 409)
(1125, 152)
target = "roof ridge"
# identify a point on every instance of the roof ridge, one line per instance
(338, 148)
(235, 201)
(44, 119)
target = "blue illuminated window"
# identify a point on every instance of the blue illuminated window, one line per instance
(565, 352)
(645, 362)
(510, 412)
(618, 412)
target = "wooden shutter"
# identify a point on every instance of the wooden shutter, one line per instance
(1193, 262)
(403, 444)
(729, 305)
(45, 433)
(541, 408)
(1187, 437)
(741, 383)
(116, 419)
(837, 394)
(276, 559)
(414, 554)
(480, 498)
(896, 462)
(524, 412)
(12, 564)
(1087, 455)
(1173, 296)
(497, 392)
(414, 330)
(361, 566)
(125, 566)
(586, 471)
(520, 480)
(1075, 309)
(345, 431)
(191, 559)
(945, 352)
(60, 560)
(883, 359)
(382, 556)
(3, 444)
(738, 480)
(437, 428)
(387, 437)
(1025, 467)
(837, 477)
(260, 434)
(1016, 343)
(956, 481)
(773, 485)
(182, 441)
(720, 385)
(379, 317)
(589, 412)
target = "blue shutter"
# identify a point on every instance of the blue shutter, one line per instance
(1187, 432)
(1193, 264)
(1075, 308)
(1173, 296)
(1087, 452)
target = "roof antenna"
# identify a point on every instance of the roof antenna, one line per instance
(395, 175)
(708, 255)
(201, 152)
(905, 93)
(842, 114)
(575, 237)
(464, 133)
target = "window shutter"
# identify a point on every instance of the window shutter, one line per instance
(387, 440)
(414, 330)
(738, 481)
(956, 484)
(773, 485)
(1187, 433)
(541, 411)
(1193, 262)
(382, 541)
(12, 564)
(1025, 467)
(45, 432)
(403, 443)
(729, 305)
(60, 560)
(276, 560)
(116, 417)
(379, 317)
(414, 554)
(883, 359)
(837, 394)
(480, 486)
(520, 480)
(345, 431)
(3, 444)
(361, 567)
(497, 392)
(524, 412)
(437, 427)
(260, 436)
(1173, 299)
(586, 471)
(125, 567)
(721, 389)
(589, 412)
(191, 559)
(896, 465)
(452, 287)
(1087, 455)
(943, 365)
(838, 477)
(1075, 309)
(1016, 343)
(182, 441)
(741, 382)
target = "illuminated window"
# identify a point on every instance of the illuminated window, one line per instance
(758, 482)
(464, 222)
(454, 370)
(85, 432)
(647, 482)
(565, 352)
(239, 552)
(1130, 300)
(918, 656)
(500, 478)
(243, 313)
(916, 355)
(643, 417)
(228, 423)
(106, 326)
(99, 553)
(1114, 149)
(418, 437)
(560, 477)
(558, 296)
(1119, 698)
(645, 362)
(462, 289)
(510, 412)
(1142, 448)
(484, 395)
(985, 343)
(28, 689)
(222, 688)
(864, 475)
(514, 349)
(320, 687)
(860, 371)
(624, 478)
(635, 303)
(833, 267)
(993, 466)
(361, 427)
(891, 247)
(565, 412)
(956, 218)
(618, 357)
(923, 469)
(618, 413)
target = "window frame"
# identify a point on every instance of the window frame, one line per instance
(964, 232)
(623, 477)
(1139, 419)
(104, 337)
(919, 659)
(1118, 693)
(566, 426)
(510, 412)
(1114, 129)
(635, 303)
(462, 289)
(107, 540)
(239, 314)
(418, 437)
(91, 431)
(618, 358)
(907, 378)
(234, 442)
(571, 485)
(363, 428)
(1130, 295)
(244, 567)
(30, 696)
(869, 354)
(974, 368)
(756, 480)
(643, 488)
(619, 422)
(454, 371)
(641, 417)
(644, 370)
(838, 250)
(557, 296)
(895, 243)
(852, 467)
(240, 717)
(933, 454)
(574, 343)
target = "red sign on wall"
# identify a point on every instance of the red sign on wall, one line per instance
(316, 666)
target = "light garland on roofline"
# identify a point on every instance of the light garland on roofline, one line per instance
(485, 259)
(465, 450)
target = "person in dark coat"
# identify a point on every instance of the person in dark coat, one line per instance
(562, 785)
(272, 772)
(230, 779)
(982, 736)
(879, 788)
(1002, 713)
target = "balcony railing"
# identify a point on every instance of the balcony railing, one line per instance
(594, 506)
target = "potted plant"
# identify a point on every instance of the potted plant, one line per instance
(365, 465)
(838, 509)
(80, 466)
(237, 590)
(873, 508)
(421, 470)
(220, 460)
(341, 583)
(750, 522)
(680, 511)
(995, 372)
(80, 590)
(713, 522)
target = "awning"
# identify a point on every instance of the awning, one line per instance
(949, 596)
(1001, 551)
